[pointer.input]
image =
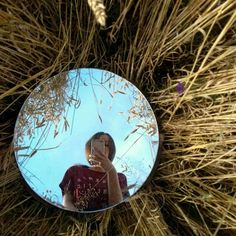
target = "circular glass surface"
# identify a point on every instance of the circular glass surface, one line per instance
(86, 140)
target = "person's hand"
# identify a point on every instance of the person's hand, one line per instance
(100, 160)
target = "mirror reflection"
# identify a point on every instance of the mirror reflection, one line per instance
(86, 140)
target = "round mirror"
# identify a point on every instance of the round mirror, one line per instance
(86, 140)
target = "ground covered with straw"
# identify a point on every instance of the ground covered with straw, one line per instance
(182, 55)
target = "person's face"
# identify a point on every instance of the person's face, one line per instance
(105, 139)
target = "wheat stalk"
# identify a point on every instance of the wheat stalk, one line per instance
(98, 9)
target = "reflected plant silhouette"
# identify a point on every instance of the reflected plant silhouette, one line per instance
(140, 110)
(51, 198)
(46, 107)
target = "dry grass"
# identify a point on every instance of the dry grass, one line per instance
(154, 44)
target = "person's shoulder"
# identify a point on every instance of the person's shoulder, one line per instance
(77, 167)
(121, 176)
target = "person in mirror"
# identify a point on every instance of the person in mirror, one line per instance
(98, 186)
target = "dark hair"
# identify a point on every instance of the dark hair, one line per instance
(112, 147)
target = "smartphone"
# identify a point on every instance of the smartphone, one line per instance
(99, 145)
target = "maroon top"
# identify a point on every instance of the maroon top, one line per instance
(89, 188)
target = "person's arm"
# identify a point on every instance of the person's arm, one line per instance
(68, 202)
(114, 190)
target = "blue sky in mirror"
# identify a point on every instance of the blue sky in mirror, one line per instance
(98, 101)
